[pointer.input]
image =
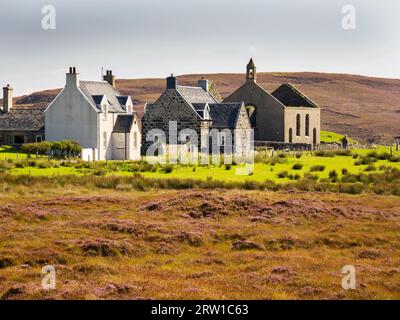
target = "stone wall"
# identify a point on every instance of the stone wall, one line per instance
(170, 107)
(7, 137)
(291, 114)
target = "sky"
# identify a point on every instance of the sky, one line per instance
(154, 38)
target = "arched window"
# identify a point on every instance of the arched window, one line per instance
(315, 136)
(290, 135)
(307, 125)
(298, 125)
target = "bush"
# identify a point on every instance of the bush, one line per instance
(297, 166)
(345, 171)
(63, 149)
(333, 175)
(228, 167)
(310, 176)
(294, 176)
(319, 168)
(168, 168)
(283, 174)
(370, 168)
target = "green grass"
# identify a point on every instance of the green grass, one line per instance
(262, 171)
(7, 152)
(331, 137)
(281, 169)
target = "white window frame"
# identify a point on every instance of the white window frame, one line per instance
(39, 137)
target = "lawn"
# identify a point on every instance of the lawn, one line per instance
(290, 168)
(7, 152)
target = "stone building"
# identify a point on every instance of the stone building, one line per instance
(285, 115)
(97, 116)
(198, 109)
(19, 125)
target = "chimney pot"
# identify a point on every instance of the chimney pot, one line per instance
(72, 77)
(7, 98)
(109, 77)
(171, 82)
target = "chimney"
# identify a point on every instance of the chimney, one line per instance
(72, 77)
(109, 77)
(171, 82)
(204, 83)
(7, 98)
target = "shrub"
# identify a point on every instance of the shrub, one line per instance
(228, 167)
(168, 168)
(370, 168)
(62, 149)
(283, 174)
(345, 171)
(298, 155)
(319, 168)
(310, 176)
(394, 159)
(333, 175)
(294, 176)
(297, 166)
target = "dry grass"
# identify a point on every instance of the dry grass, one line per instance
(197, 244)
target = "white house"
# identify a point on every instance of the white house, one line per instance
(97, 116)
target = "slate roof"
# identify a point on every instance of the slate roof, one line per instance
(224, 115)
(95, 90)
(201, 110)
(124, 123)
(195, 95)
(22, 119)
(290, 96)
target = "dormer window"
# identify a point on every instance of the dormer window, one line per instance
(105, 112)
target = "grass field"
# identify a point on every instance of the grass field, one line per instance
(289, 168)
(10, 153)
(331, 137)
(197, 244)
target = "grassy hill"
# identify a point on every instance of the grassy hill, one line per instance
(364, 108)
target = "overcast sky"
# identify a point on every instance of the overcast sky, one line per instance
(153, 38)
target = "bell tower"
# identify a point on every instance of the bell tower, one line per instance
(251, 74)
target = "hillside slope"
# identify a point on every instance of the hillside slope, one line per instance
(365, 108)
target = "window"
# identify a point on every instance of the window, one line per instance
(307, 125)
(105, 112)
(38, 138)
(105, 140)
(298, 125)
(19, 139)
(222, 139)
(290, 135)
